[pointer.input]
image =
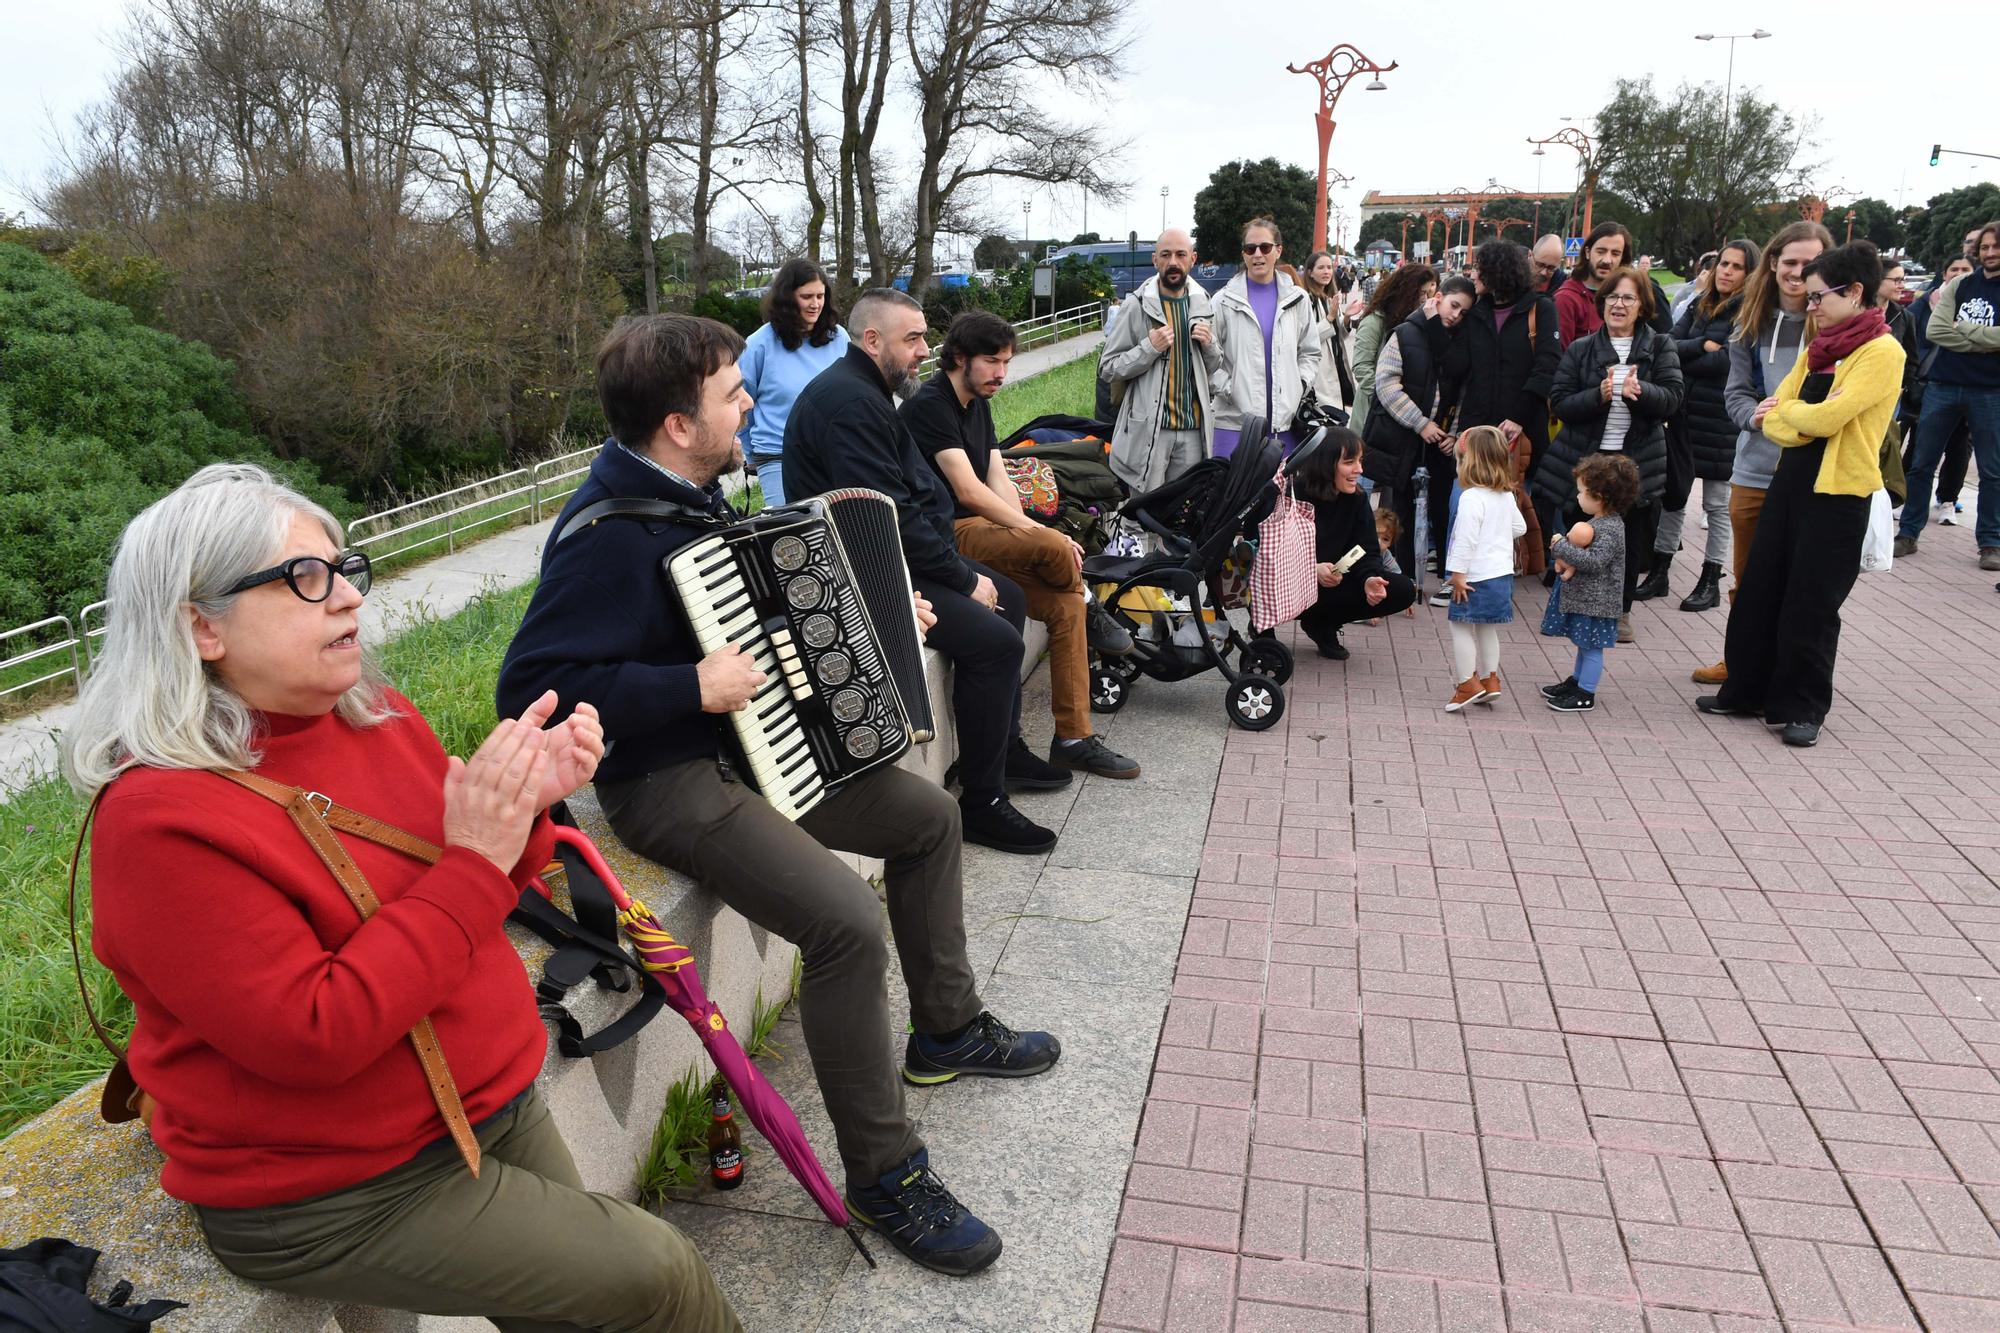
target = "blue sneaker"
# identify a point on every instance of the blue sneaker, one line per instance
(914, 1212)
(989, 1047)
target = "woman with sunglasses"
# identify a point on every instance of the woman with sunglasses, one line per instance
(349, 1104)
(1828, 418)
(1266, 330)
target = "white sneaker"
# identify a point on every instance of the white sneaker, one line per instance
(1441, 598)
(1947, 513)
(1704, 520)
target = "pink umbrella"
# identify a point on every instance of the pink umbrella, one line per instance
(671, 965)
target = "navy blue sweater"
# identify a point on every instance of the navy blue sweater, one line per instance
(1978, 298)
(604, 629)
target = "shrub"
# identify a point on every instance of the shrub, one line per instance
(99, 417)
(742, 313)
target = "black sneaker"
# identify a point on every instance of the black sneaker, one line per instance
(914, 1212)
(1801, 734)
(1107, 638)
(1003, 828)
(1028, 771)
(1574, 701)
(1561, 687)
(1091, 755)
(1712, 705)
(987, 1047)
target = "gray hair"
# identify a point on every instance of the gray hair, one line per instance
(150, 700)
(871, 305)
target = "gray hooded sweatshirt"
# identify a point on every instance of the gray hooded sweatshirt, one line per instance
(1756, 456)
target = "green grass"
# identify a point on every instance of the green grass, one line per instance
(447, 666)
(674, 1159)
(764, 1018)
(46, 1046)
(1070, 388)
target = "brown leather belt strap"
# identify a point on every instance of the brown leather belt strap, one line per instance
(316, 817)
(342, 818)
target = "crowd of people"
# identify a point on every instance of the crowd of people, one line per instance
(1514, 385)
(1519, 401)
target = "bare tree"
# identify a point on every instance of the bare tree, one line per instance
(867, 29)
(972, 66)
(804, 33)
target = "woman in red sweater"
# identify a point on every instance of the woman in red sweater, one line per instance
(272, 1025)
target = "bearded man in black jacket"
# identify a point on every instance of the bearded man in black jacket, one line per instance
(844, 431)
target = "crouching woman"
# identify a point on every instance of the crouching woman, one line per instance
(1330, 479)
(341, 1070)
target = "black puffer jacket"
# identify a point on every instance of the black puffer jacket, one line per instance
(1576, 402)
(1508, 374)
(1709, 430)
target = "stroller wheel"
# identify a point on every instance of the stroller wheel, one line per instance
(1267, 657)
(1108, 690)
(1255, 703)
(1125, 668)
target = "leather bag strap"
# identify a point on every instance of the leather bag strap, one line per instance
(313, 813)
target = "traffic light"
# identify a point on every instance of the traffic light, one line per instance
(1936, 150)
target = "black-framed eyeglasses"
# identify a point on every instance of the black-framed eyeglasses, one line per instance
(310, 577)
(1814, 298)
(1259, 247)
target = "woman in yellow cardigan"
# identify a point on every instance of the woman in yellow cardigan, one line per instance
(1828, 417)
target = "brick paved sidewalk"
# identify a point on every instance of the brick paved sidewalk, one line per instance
(1628, 1020)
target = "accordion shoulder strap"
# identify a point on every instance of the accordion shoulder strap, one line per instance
(628, 507)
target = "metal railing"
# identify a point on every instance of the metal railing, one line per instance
(1045, 329)
(532, 491)
(469, 508)
(26, 660)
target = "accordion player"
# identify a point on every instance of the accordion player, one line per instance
(817, 595)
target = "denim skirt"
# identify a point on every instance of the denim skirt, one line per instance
(1487, 602)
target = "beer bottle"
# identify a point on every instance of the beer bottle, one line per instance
(725, 1141)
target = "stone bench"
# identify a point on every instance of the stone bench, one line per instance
(66, 1173)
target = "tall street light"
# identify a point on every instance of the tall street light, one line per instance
(1333, 70)
(1587, 160)
(1163, 222)
(1729, 84)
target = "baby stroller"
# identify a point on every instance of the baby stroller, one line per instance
(1199, 517)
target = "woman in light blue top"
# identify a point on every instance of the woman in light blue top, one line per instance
(800, 337)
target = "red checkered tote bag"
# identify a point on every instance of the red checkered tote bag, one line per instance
(1284, 580)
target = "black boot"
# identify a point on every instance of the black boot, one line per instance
(1655, 582)
(1707, 594)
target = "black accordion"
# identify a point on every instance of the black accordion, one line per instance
(817, 594)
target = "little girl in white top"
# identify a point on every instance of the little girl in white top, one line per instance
(1480, 561)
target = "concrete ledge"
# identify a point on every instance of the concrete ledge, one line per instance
(66, 1173)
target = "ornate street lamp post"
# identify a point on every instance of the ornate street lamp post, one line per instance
(1333, 70)
(1571, 137)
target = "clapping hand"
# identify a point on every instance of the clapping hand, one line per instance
(1631, 389)
(574, 746)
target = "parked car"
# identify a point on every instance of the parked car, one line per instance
(1916, 279)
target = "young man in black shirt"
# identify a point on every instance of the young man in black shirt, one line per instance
(951, 419)
(844, 431)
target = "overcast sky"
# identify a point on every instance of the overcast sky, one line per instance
(1458, 110)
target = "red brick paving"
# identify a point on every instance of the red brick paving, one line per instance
(1632, 1020)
